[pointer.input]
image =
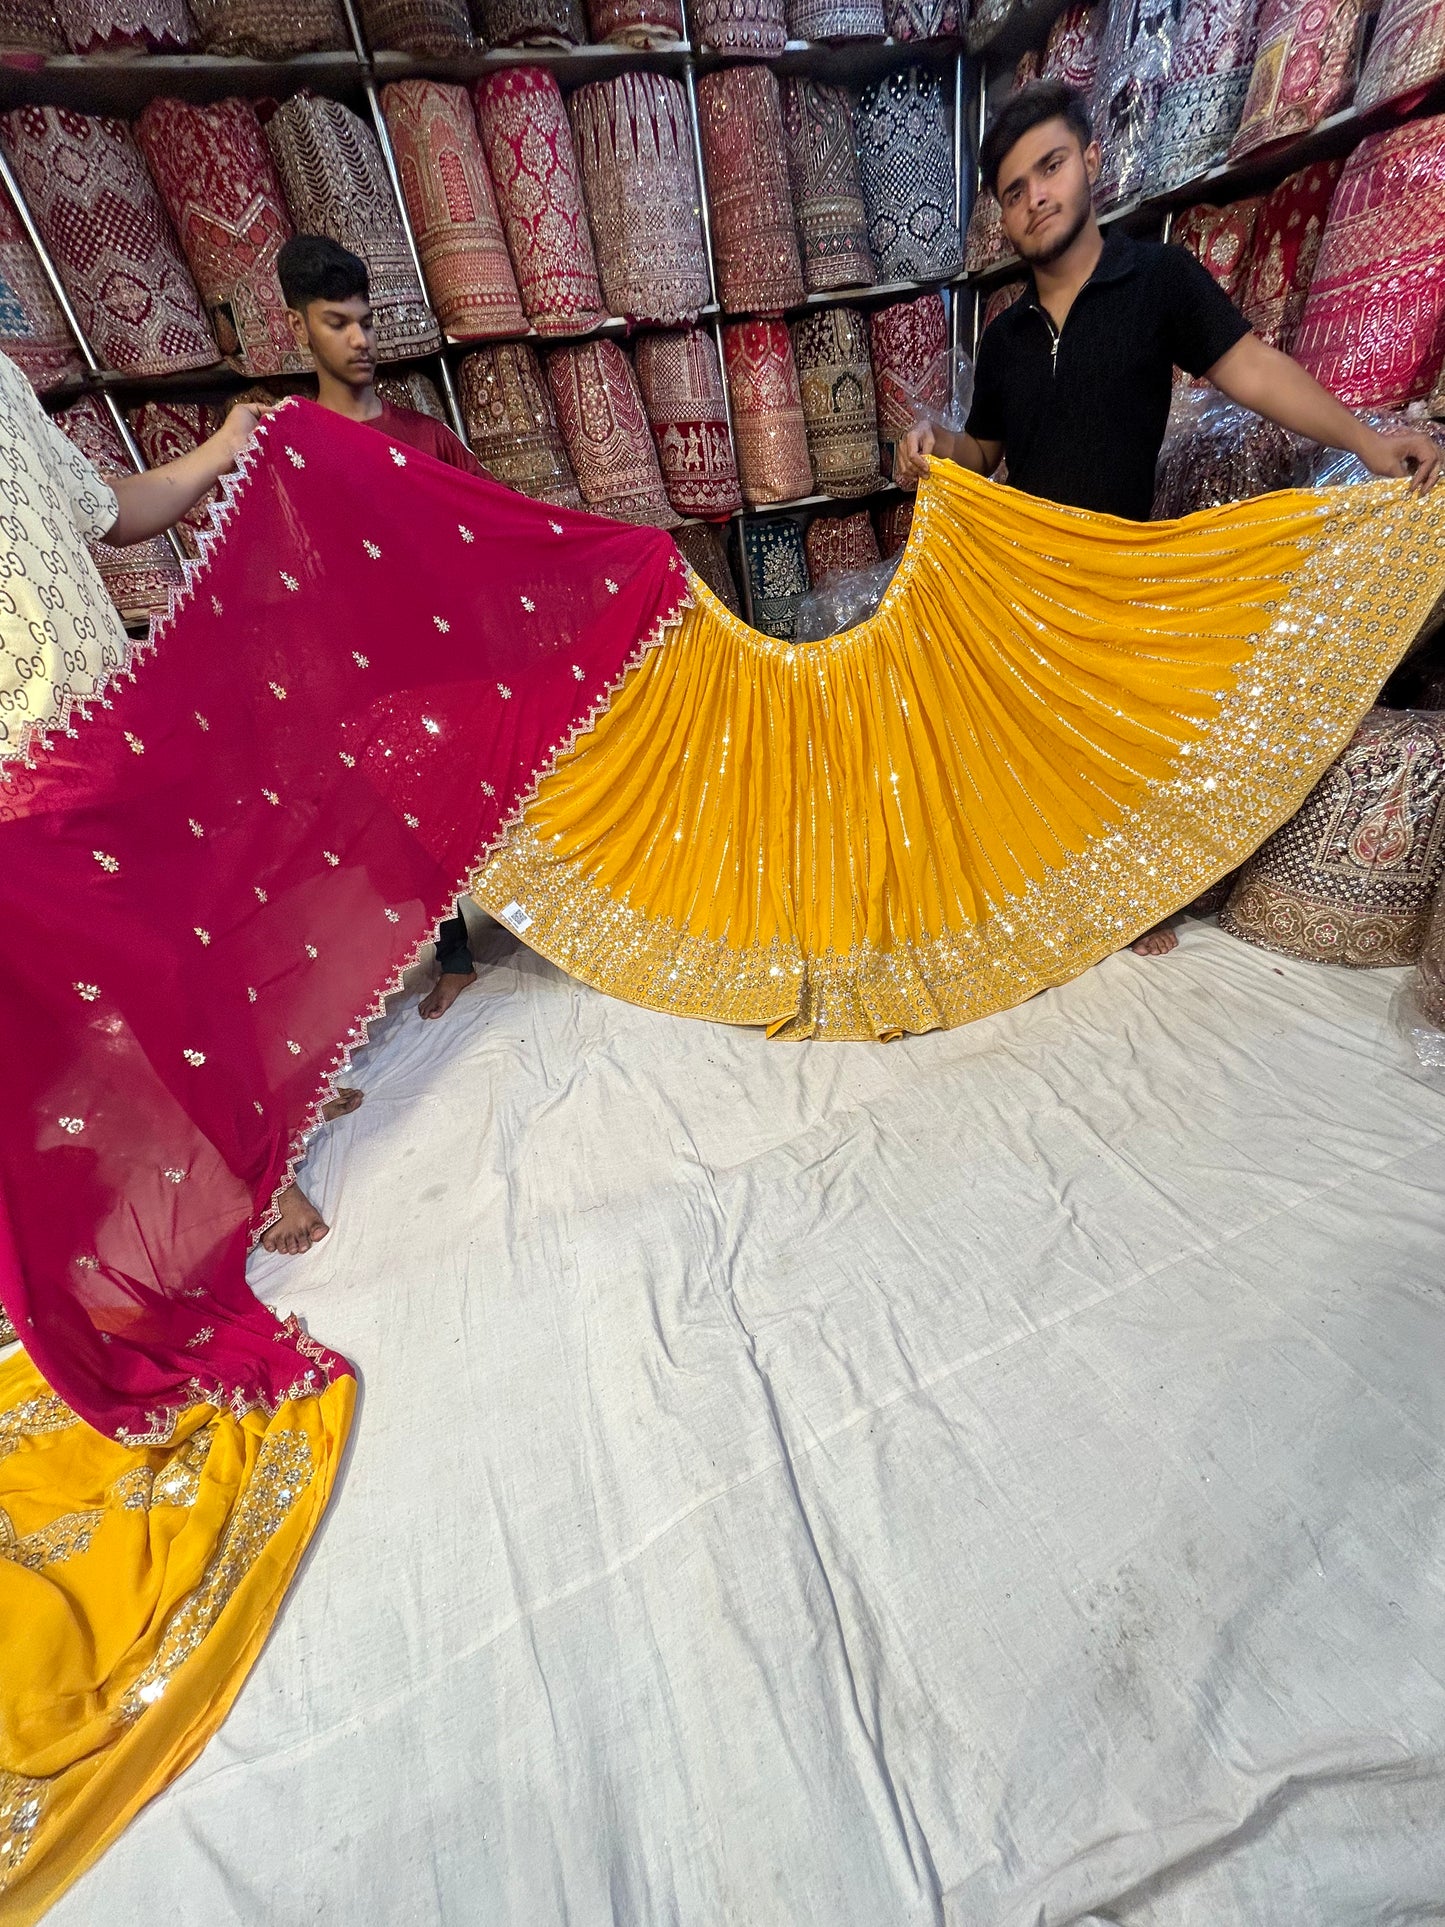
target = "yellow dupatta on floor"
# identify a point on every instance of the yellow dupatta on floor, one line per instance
(1057, 729)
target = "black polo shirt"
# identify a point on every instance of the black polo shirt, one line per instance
(1081, 412)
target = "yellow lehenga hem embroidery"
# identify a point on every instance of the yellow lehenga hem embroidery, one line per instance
(1057, 729)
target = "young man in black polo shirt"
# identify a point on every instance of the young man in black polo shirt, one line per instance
(1073, 382)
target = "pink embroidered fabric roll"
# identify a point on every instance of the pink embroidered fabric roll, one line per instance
(636, 23)
(604, 425)
(634, 149)
(1407, 53)
(453, 209)
(108, 235)
(1304, 69)
(528, 143)
(32, 328)
(741, 26)
(754, 235)
(215, 175)
(166, 429)
(772, 440)
(1071, 53)
(511, 425)
(1287, 235)
(909, 341)
(138, 578)
(837, 545)
(682, 389)
(1374, 322)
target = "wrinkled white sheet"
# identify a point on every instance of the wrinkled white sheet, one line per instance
(991, 1479)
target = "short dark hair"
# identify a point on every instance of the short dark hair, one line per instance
(312, 267)
(1030, 107)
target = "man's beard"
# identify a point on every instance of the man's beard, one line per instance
(1050, 251)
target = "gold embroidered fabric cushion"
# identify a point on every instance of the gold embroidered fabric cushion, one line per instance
(1351, 878)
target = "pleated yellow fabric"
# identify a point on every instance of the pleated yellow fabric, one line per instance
(1057, 729)
(137, 1586)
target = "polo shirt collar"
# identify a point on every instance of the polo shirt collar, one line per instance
(1120, 257)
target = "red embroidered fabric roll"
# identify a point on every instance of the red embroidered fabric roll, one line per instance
(838, 544)
(754, 236)
(511, 426)
(32, 328)
(108, 235)
(604, 425)
(911, 377)
(453, 208)
(1304, 68)
(528, 142)
(636, 23)
(894, 524)
(1000, 299)
(1287, 234)
(270, 29)
(435, 27)
(827, 194)
(682, 389)
(1374, 321)
(634, 149)
(1221, 238)
(1071, 53)
(126, 26)
(741, 26)
(215, 175)
(336, 183)
(772, 440)
(1407, 53)
(166, 429)
(140, 577)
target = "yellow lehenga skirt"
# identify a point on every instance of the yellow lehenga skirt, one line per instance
(1057, 729)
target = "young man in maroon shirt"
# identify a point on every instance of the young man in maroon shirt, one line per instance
(328, 303)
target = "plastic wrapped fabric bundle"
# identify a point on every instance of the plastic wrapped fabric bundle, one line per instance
(140, 577)
(412, 389)
(111, 27)
(1304, 69)
(1220, 238)
(772, 441)
(336, 184)
(639, 179)
(1287, 235)
(30, 26)
(1071, 53)
(754, 235)
(453, 209)
(836, 19)
(636, 23)
(604, 426)
(843, 601)
(835, 376)
(528, 142)
(106, 229)
(532, 23)
(706, 553)
(741, 26)
(1352, 877)
(216, 177)
(911, 374)
(922, 19)
(905, 163)
(828, 203)
(1216, 452)
(511, 426)
(894, 523)
(32, 328)
(1203, 97)
(429, 27)
(1407, 54)
(838, 546)
(166, 429)
(1134, 63)
(682, 389)
(270, 29)
(1373, 330)
(777, 573)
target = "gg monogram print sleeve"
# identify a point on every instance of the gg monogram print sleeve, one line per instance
(60, 636)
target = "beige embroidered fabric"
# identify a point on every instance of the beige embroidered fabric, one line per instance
(270, 29)
(836, 379)
(511, 425)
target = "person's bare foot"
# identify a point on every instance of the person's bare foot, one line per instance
(445, 992)
(299, 1226)
(1155, 943)
(343, 1104)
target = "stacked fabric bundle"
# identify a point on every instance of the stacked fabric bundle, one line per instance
(706, 553)
(1351, 878)
(215, 175)
(636, 23)
(1374, 321)
(838, 545)
(511, 426)
(741, 26)
(336, 184)
(682, 389)
(126, 26)
(1071, 53)
(835, 377)
(166, 429)
(1221, 238)
(777, 574)
(269, 29)
(1287, 234)
(906, 167)
(528, 142)
(107, 233)
(139, 578)
(634, 147)
(1134, 63)
(438, 27)
(453, 209)
(772, 441)
(1304, 69)
(754, 237)
(604, 426)
(532, 23)
(413, 390)
(836, 19)
(911, 376)
(828, 203)
(1407, 53)
(1203, 97)
(32, 329)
